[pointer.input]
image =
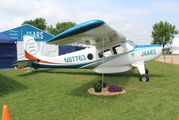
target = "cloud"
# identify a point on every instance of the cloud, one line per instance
(132, 20)
(166, 6)
(17, 8)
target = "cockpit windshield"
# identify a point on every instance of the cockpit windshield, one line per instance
(131, 43)
(128, 46)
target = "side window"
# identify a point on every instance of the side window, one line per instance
(105, 53)
(118, 49)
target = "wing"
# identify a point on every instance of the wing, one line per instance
(94, 32)
(23, 62)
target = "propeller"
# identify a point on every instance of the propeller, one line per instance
(163, 48)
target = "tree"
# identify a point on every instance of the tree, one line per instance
(59, 27)
(38, 22)
(163, 33)
(41, 24)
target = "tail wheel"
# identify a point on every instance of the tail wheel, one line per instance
(35, 69)
(144, 78)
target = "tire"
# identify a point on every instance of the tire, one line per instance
(144, 78)
(146, 71)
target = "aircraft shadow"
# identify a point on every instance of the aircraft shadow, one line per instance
(8, 85)
(121, 79)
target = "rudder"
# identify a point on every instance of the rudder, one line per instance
(30, 48)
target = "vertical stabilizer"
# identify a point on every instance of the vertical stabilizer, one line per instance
(30, 48)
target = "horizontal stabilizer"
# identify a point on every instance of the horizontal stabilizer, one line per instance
(23, 62)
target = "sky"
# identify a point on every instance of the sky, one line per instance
(132, 18)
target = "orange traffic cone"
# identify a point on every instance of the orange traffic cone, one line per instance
(5, 113)
(178, 117)
(158, 60)
(171, 60)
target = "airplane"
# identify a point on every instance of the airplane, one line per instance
(107, 51)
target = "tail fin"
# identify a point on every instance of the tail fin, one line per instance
(30, 48)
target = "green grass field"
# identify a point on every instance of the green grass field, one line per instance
(61, 94)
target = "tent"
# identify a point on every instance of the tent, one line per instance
(40, 37)
(174, 49)
(8, 51)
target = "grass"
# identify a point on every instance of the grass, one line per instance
(61, 94)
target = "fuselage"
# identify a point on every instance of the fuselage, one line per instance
(114, 58)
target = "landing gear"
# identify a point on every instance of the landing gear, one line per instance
(143, 71)
(146, 71)
(144, 78)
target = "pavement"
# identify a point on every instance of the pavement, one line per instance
(172, 59)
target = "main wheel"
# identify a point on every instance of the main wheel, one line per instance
(144, 78)
(146, 71)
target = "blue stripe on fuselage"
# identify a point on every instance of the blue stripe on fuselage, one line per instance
(88, 65)
(137, 48)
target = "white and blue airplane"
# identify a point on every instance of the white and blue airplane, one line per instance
(108, 51)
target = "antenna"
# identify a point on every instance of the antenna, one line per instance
(163, 46)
